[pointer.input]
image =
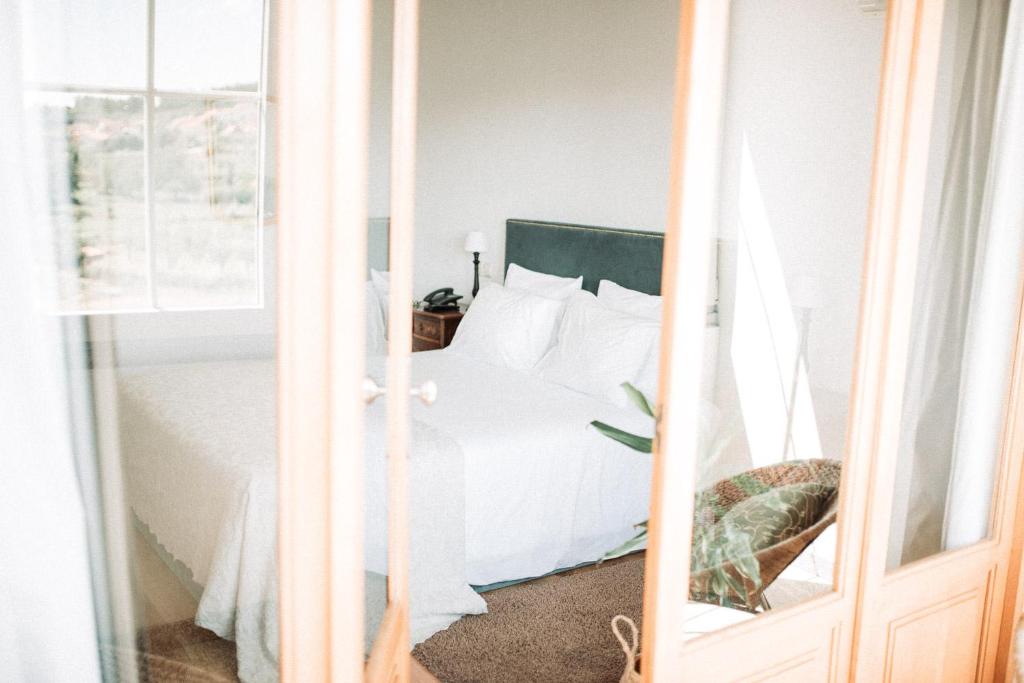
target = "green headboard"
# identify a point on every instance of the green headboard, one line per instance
(631, 258)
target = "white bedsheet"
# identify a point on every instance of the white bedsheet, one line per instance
(198, 446)
(544, 490)
(540, 489)
(200, 463)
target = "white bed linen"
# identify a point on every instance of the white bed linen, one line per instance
(198, 448)
(542, 489)
(200, 462)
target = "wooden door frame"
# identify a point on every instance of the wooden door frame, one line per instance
(390, 659)
(815, 638)
(324, 73)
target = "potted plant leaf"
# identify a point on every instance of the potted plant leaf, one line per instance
(723, 567)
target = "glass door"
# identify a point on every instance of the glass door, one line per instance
(949, 477)
(149, 207)
(824, 118)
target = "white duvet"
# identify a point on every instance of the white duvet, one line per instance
(539, 489)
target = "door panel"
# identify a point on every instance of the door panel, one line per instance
(778, 642)
(948, 472)
(928, 644)
(964, 307)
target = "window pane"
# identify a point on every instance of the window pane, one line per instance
(202, 45)
(92, 158)
(270, 164)
(204, 182)
(85, 42)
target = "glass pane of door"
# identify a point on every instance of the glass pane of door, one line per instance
(378, 285)
(965, 304)
(543, 173)
(173, 414)
(800, 95)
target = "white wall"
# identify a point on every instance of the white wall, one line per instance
(538, 109)
(803, 80)
(562, 111)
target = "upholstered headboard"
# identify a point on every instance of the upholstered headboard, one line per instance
(631, 258)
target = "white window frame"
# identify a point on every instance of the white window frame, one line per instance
(148, 94)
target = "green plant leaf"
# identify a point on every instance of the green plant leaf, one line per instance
(637, 443)
(627, 547)
(638, 399)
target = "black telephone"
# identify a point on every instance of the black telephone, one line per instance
(441, 300)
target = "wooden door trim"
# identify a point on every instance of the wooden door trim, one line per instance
(1009, 531)
(700, 71)
(323, 128)
(902, 144)
(390, 659)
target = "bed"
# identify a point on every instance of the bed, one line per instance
(507, 479)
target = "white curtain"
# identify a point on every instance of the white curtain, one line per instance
(993, 309)
(47, 622)
(966, 304)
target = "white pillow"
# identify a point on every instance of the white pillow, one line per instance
(376, 335)
(598, 349)
(507, 327)
(541, 284)
(381, 280)
(647, 306)
(630, 301)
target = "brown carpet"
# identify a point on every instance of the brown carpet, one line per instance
(182, 651)
(553, 629)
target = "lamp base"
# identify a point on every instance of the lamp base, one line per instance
(476, 273)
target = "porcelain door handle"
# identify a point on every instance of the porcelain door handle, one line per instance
(426, 392)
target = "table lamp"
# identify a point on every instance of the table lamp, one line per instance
(476, 244)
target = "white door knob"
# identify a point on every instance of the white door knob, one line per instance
(426, 392)
(371, 391)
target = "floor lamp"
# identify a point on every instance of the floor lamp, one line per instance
(805, 296)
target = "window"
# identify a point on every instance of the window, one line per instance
(150, 117)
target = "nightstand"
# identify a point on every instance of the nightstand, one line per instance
(432, 331)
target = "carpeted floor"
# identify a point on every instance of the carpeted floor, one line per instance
(553, 629)
(182, 651)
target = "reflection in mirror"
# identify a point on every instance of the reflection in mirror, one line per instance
(965, 304)
(152, 205)
(798, 133)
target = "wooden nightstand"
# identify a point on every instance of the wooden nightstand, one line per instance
(432, 331)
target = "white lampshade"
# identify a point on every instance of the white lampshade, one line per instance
(476, 241)
(805, 292)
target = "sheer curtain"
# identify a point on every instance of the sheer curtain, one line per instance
(993, 309)
(966, 303)
(47, 622)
